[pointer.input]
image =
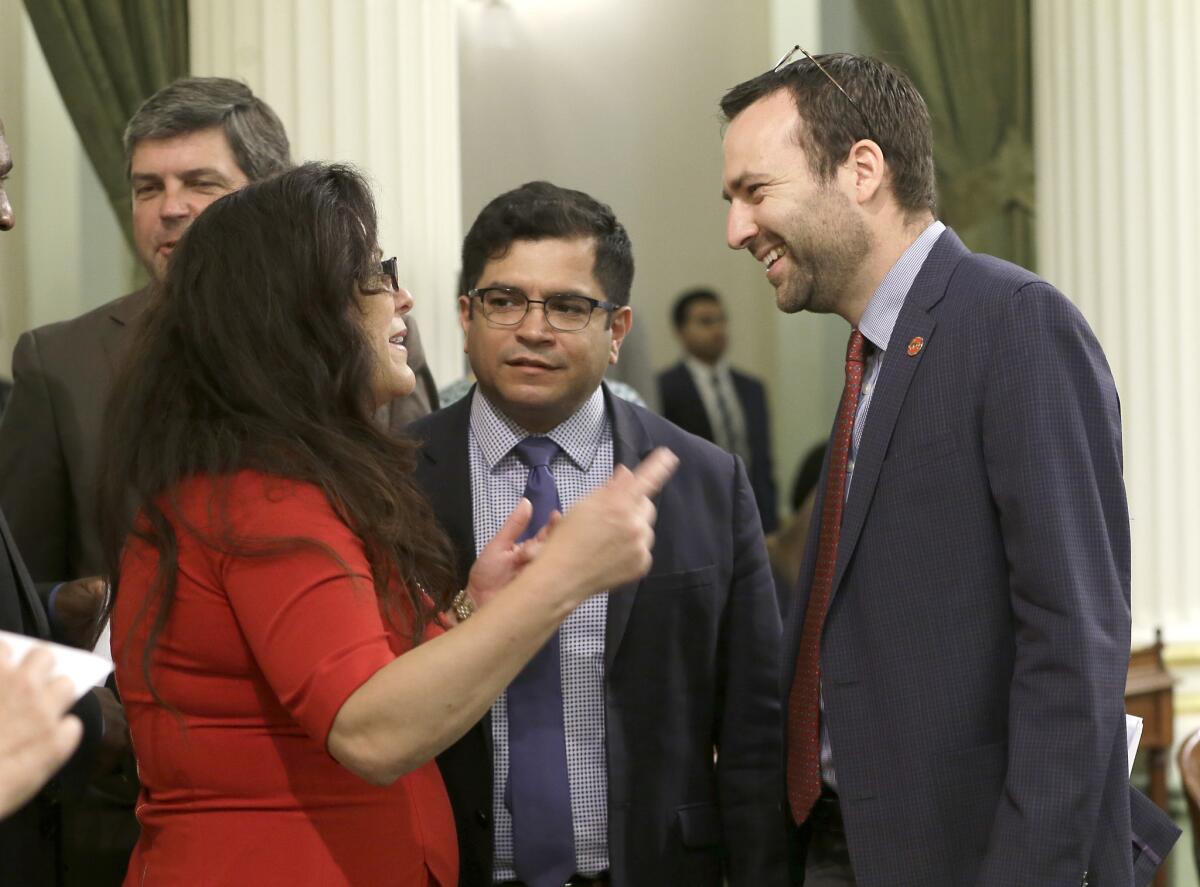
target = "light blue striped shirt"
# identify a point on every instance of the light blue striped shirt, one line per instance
(879, 320)
(498, 478)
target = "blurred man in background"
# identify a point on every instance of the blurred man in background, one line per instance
(703, 394)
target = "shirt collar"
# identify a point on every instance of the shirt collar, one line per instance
(879, 319)
(700, 368)
(579, 435)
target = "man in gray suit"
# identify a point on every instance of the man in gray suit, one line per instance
(956, 658)
(188, 144)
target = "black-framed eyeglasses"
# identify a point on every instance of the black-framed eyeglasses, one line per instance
(565, 312)
(388, 275)
(791, 53)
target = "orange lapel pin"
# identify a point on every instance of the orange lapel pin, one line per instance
(915, 346)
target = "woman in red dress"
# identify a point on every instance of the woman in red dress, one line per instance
(280, 596)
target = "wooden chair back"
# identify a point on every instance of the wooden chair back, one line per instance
(1189, 769)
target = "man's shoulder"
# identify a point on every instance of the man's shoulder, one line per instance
(673, 371)
(66, 332)
(673, 384)
(968, 284)
(455, 417)
(674, 376)
(997, 271)
(994, 287)
(665, 433)
(746, 378)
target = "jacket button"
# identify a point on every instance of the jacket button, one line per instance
(483, 817)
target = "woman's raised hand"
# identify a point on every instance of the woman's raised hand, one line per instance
(606, 539)
(504, 557)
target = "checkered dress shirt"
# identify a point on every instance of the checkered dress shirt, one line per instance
(498, 478)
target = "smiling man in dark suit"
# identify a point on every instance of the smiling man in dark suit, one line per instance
(703, 394)
(604, 772)
(956, 660)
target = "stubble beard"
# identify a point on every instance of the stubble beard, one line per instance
(827, 245)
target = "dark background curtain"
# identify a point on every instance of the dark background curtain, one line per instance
(107, 57)
(972, 61)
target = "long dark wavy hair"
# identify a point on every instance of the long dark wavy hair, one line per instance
(252, 356)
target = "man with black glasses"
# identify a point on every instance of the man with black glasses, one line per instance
(956, 660)
(597, 765)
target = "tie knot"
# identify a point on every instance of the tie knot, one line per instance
(856, 347)
(537, 452)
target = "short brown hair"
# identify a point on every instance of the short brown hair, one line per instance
(542, 211)
(256, 136)
(890, 103)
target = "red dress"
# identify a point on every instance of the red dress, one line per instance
(257, 657)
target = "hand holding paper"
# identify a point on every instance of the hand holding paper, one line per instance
(35, 736)
(85, 670)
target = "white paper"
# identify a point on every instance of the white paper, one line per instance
(86, 670)
(1133, 737)
(103, 647)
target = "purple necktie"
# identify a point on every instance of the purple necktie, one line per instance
(539, 793)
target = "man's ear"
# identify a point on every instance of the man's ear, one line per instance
(621, 324)
(870, 169)
(465, 312)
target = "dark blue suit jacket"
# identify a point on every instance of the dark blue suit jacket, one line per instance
(975, 651)
(691, 662)
(681, 403)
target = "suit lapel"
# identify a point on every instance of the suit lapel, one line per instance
(30, 605)
(895, 376)
(694, 403)
(115, 335)
(744, 392)
(631, 444)
(445, 474)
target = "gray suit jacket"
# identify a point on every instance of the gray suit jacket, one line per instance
(691, 658)
(975, 650)
(49, 434)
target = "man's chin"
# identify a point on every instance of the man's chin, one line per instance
(156, 267)
(788, 302)
(793, 296)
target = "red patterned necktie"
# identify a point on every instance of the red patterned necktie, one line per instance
(804, 737)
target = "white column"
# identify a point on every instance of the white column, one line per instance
(1117, 118)
(374, 83)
